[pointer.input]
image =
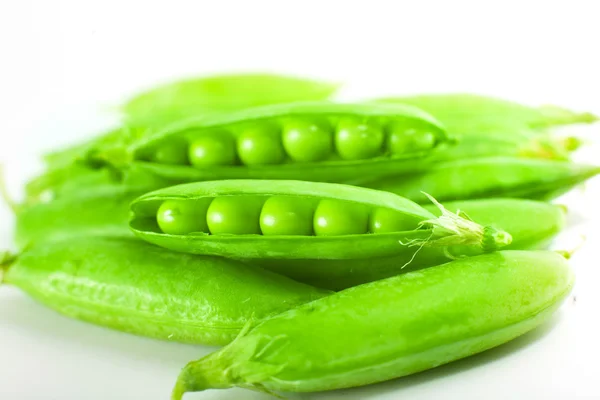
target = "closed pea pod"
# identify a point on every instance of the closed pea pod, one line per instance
(316, 141)
(390, 328)
(128, 285)
(489, 177)
(340, 217)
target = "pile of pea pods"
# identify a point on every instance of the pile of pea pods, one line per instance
(324, 244)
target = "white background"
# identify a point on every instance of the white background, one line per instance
(65, 64)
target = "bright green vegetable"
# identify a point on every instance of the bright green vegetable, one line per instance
(167, 104)
(489, 177)
(128, 285)
(532, 225)
(340, 216)
(390, 328)
(463, 112)
(177, 100)
(262, 141)
(87, 203)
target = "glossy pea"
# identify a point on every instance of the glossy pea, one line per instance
(390, 328)
(178, 217)
(215, 149)
(335, 218)
(383, 220)
(128, 285)
(260, 145)
(357, 140)
(286, 215)
(402, 139)
(307, 141)
(174, 152)
(234, 215)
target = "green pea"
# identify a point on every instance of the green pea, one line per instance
(385, 220)
(214, 149)
(405, 139)
(287, 215)
(260, 146)
(357, 140)
(172, 152)
(179, 217)
(307, 141)
(235, 215)
(334, 218)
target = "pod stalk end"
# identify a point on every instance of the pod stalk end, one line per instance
(458, 229)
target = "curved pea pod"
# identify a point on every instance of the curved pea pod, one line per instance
(489, 177)
(532, 225)
(257, 219)
(131, 286)
(98, 210)
(463, 112)
(174, 101)
(228, 92)
(317, 141)
(86, 203)
(390, 328)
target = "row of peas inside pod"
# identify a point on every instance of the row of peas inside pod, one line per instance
(297, 219)
(318, 141)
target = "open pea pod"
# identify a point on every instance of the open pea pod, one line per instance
(258, 219)
(173, 101)
(316, 141)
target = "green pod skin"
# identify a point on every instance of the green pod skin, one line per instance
(99, 210)
(532, 225)
(463, 112)
(131, 286)
(174, 101)
(344, 205)
(191, 97)
(489, 177)
(268, 124)
(90, 203)
(390, 328)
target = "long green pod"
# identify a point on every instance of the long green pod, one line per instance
(258, 219)
(174, 101)
(489, 177)
(390, 328)
(463, 112)
(95, 210)
(532, 225)
(188, 97)
(131, 286)
(316, 141)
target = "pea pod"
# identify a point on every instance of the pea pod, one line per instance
(174, 101)
(532, 225)
(128, 285)
(296, 220)
(463, 112)
(489, 177)
(315, 141)
(390, 328)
